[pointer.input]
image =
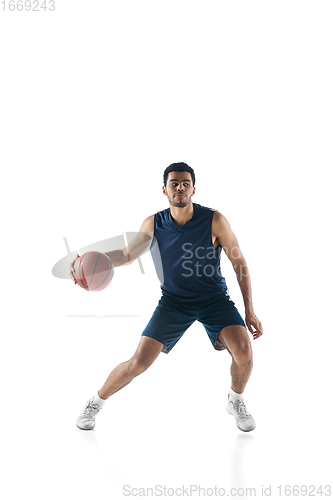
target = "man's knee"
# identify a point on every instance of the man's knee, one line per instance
(138, 365)
(146, 353)
(237, 342)
(242, 352)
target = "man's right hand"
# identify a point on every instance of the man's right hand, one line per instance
(71, 267)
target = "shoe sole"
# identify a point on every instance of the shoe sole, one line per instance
(85, 429)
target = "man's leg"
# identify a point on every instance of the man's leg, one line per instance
(236, 340)
(144, 356)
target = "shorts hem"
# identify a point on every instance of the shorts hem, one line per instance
(216, 346)
(164, 348)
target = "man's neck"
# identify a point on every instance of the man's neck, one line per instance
(181, 215)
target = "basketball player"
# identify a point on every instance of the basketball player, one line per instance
(190, 239)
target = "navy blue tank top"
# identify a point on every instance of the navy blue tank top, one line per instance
(185, 260)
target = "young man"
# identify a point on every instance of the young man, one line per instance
(190, 238)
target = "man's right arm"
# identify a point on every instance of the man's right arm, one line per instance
(138, 246)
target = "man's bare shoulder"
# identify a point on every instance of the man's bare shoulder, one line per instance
(219, 222)
(148, 225)
(217, 216)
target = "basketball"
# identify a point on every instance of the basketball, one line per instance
(93, 271)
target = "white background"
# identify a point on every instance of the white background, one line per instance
(96, 100)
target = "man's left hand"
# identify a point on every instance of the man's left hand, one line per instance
(253, 324)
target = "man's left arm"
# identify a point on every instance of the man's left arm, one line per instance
(227, 239)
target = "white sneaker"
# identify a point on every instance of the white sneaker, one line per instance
(86, 420)
(244, 420)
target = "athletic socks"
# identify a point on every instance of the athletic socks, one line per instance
(234, 396)
(98, 400)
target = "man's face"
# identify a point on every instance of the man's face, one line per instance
(179, 189)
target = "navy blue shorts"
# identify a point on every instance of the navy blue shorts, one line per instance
(172, 318)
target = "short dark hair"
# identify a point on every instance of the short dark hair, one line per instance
(178, 167)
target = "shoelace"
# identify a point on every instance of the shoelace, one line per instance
(91, 409)
(240, 408)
